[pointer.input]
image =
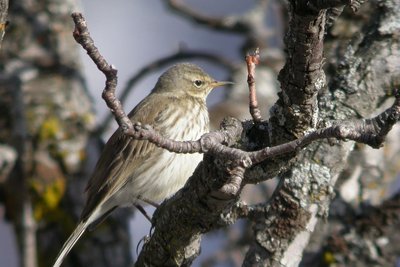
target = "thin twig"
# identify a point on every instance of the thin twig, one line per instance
(252, 60)
(82, 36)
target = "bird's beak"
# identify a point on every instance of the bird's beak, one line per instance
(218, 83)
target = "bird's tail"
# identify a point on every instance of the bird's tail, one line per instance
(73, 238)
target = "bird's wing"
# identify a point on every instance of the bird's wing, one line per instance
(121, 155)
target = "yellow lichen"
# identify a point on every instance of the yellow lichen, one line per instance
(47, 196)
(53, 193)
(50, 129)
(328, 257)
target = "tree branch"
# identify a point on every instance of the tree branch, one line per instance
(302, 76)
(251, 62)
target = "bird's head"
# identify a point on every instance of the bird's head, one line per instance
(187, 79)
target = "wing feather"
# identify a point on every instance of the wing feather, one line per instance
(121, 155)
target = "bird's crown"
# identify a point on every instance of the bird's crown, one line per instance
(185, 78)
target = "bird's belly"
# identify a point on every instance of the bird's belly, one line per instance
(161, 180)
(164, 173)
(166, 180)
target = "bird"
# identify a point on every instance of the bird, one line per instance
(134, 172)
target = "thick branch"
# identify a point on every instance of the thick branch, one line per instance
(196, 209)
(302, 76)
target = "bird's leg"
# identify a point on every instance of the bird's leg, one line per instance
(143, 211)
(144, 240)
(146, 237)
(148, 201)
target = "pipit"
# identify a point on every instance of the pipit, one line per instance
(130, 171)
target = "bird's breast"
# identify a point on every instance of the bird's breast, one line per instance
(186, 124)
(164, 172)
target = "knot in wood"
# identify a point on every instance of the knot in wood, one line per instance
(342, 131)
(245, 161)
(206, 142)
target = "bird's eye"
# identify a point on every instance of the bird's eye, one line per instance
(198, 83)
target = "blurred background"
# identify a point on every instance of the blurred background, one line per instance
(53, 117)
